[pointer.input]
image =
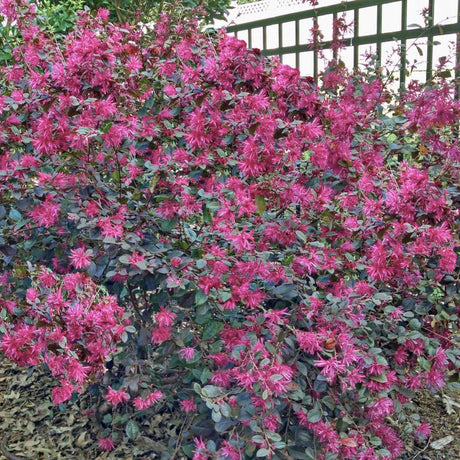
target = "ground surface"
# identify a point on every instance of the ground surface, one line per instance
(32, 428)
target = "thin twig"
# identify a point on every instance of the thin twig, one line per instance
(422, 450)
(179, 440)
(7, 453)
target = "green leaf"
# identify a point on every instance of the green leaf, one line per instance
(225, 295)
(258, 439)
(424, 363)
(302, 368)
(210, 391)
(381, 378)
(200, 263)
(286, 291)
(301, 236)
(314, 415)
(445, 74)
(200, 297)
(153, 183)
(83, 130)
(375, 441)
(383, 296)
(191, 234)
(188, 450)
(106, 125)
(211, 330)
(236, 352)
(124, 259)
(132, 430)
(260, 203)
(197, 388)
(168, 225)
(263, 453)
(223, 425)
(207, 217)
(216, 416)
(15, 215)
(205, 375)
(21, 223)
(226, 410)
(275, 437)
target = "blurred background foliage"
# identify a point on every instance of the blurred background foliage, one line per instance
(62, 12)
(58, 16)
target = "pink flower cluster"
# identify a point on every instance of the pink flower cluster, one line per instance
(65, 322)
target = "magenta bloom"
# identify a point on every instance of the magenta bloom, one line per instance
(161, 334)
(187, 353)
(106, 444)
(188, 405)
(116, 397)
(423, 431)
(80, 258)
(140, 403)
(62, 393)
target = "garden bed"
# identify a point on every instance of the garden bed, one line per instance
(33, 428)
(234, 261)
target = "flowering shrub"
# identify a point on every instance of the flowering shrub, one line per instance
(65, 322)
(286, 253)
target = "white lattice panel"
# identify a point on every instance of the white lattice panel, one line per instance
(267, 8)
(254, 8)
(259, 7)
(248, 12)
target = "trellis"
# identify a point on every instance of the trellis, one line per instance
(405, 33)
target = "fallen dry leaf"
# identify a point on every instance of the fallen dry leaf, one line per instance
(441, 443)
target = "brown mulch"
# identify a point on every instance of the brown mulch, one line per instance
(33, 428)
(442, 412)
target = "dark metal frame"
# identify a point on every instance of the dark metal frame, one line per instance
(430, 31)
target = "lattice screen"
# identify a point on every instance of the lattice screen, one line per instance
(257, 8)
